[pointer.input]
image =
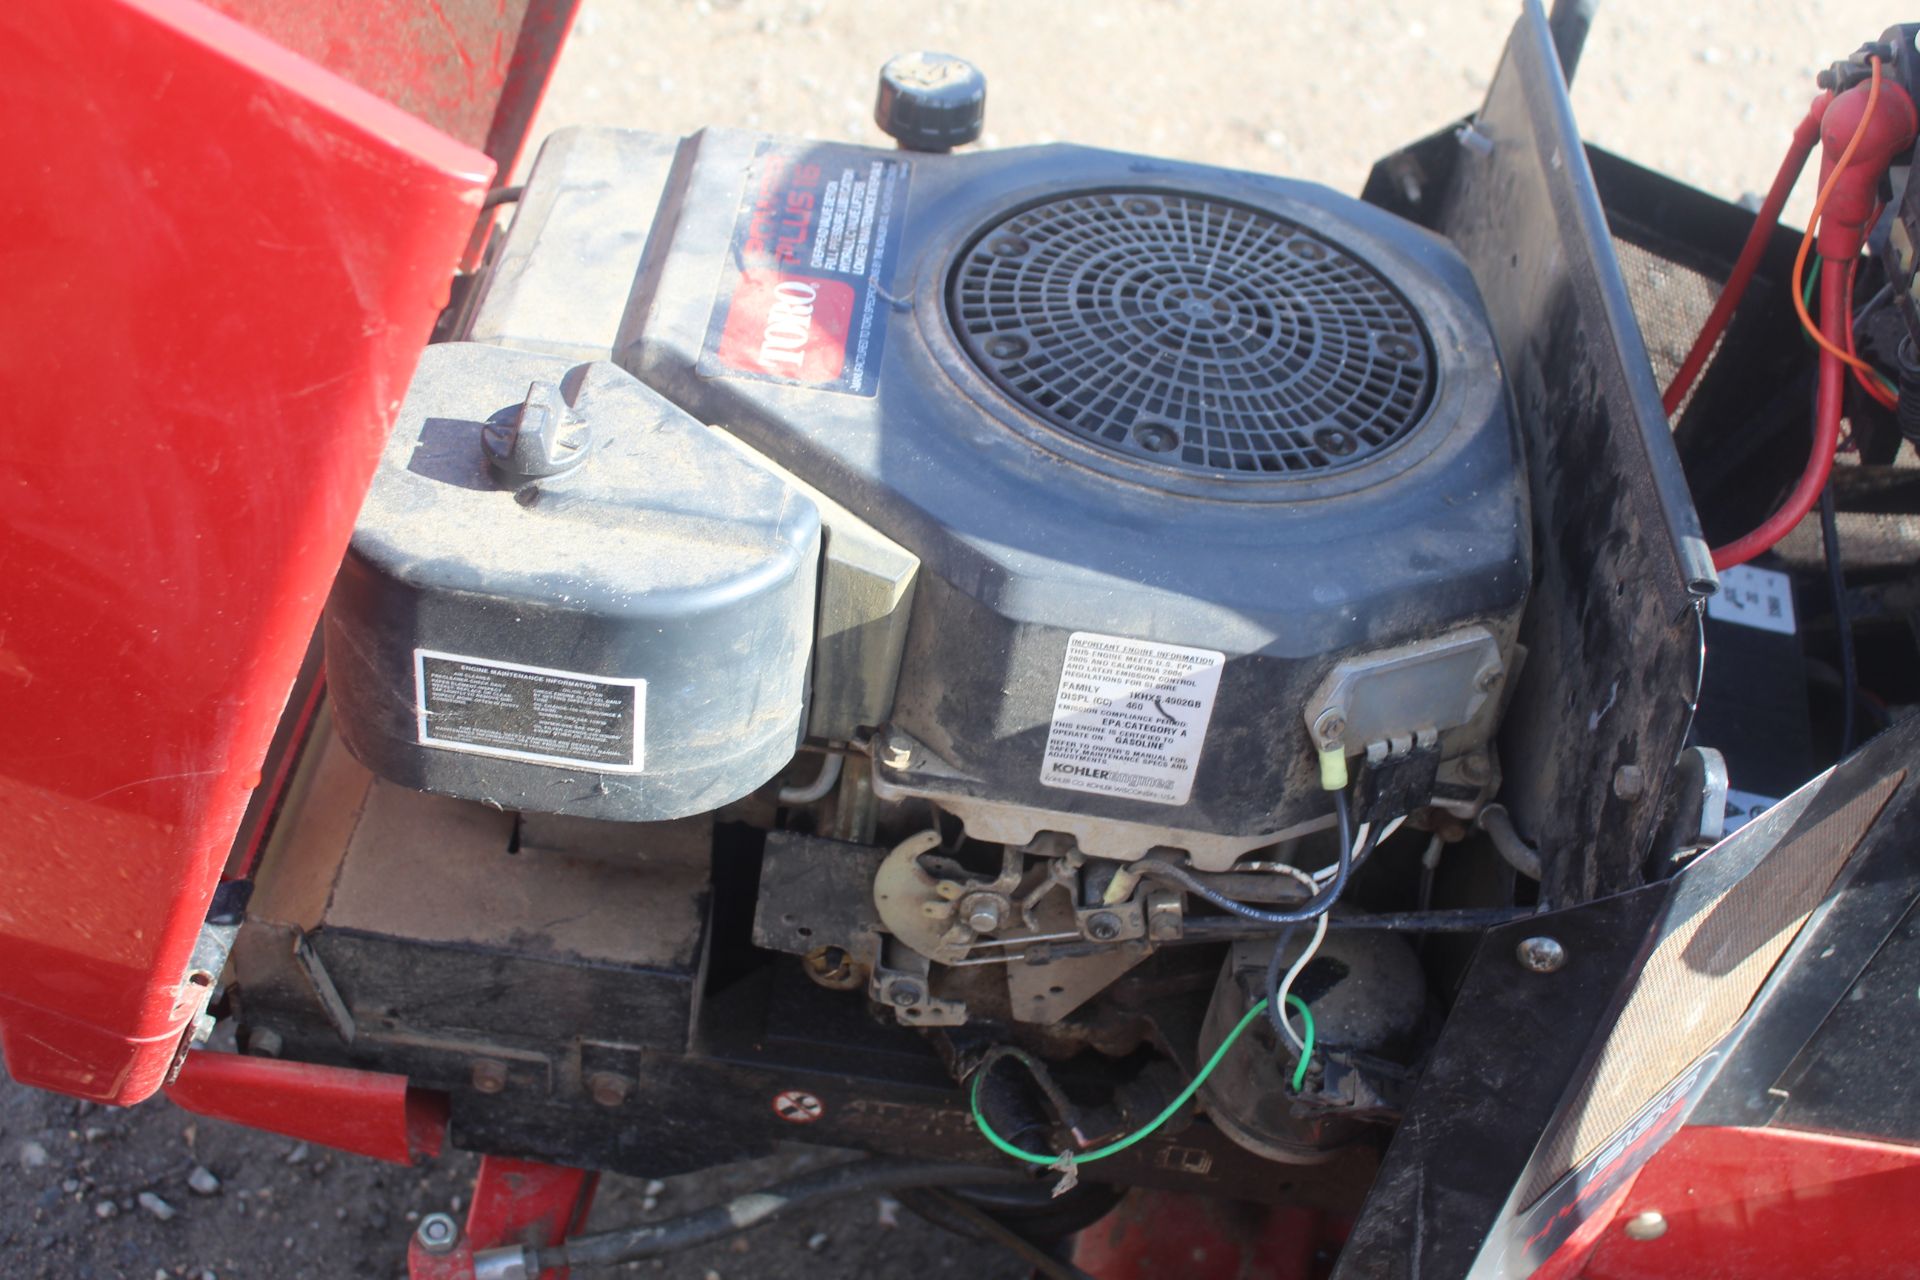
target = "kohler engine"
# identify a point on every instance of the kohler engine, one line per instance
(1020, 539)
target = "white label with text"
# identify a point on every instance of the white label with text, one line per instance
(1130, 717)
(1754, 597)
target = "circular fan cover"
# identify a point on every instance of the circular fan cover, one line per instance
(1193, 333)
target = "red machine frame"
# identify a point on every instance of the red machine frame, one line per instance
(207, 343)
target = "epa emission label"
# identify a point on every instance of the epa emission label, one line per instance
(803, 298)
(1130, 717)
(518, 712)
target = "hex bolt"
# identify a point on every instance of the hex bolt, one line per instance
(1330, 725)
(264, 1042)
(904, 994)
(1629, 782)
(981, 911)
(896, 752)
(489, 1076)
(1650, 1225)
(1488, 679)
(1541, 955)
(1103, 926)
(437, 1233)
(608, 1088)
(1475, 767)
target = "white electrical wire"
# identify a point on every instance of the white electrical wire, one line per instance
(1320, 925)
(1286, 983)
(1326, 874)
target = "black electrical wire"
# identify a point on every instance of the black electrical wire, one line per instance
(1842, 618)
(1276, 966)
(1064, 1109)
(501, 195)
(1317, 905)
(702, 1226)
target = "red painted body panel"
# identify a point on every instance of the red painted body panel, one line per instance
(370, 1113)
(474, 69)
(514, 1202)
(221, 264)
(1767, 1204)
(1152, 1235)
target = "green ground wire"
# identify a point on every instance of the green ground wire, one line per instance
(1116, 1147)
(1806, 296)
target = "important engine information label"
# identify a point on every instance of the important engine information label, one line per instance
(529, 713)
(803, 299)
(1130, 717)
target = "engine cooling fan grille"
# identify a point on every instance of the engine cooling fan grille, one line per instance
(1193, 333)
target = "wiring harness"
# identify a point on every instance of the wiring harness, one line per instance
(1278, 998)
(1861, 131)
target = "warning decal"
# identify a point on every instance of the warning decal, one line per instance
(518, 712)
(796, 1106)
(803, 299)
(1130, 717)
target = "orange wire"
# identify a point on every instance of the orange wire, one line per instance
(1868, 383)
(1819, 207)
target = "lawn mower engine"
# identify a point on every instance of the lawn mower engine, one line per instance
(970, 601)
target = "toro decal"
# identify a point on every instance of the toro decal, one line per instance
(803, 299)
(788, 327)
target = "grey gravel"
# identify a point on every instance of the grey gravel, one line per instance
(203, 1181)
(154, 1205)
(33, 1156)
(104, 1209)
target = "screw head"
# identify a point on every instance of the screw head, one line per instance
(1330, 725)
(1650, 1225)
(489, 1076)
(608, 1088)
(1629, 782)
(1488, 679)
(904, 994)
(1541, 955)
(1103, 926)
(437, 1233)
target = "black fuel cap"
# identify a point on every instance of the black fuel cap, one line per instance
(931, 101)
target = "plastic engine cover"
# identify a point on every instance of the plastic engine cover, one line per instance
(576, 600)
(1170, 441)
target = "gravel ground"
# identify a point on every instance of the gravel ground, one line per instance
(154, 1193)
(1317, 89)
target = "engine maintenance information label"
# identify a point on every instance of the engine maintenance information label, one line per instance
(803, 299)
(1129, 717)
(529, 713)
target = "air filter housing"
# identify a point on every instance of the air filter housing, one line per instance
(1180, 451)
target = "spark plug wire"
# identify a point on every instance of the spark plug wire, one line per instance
(1846, 201)
(1805, 134)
